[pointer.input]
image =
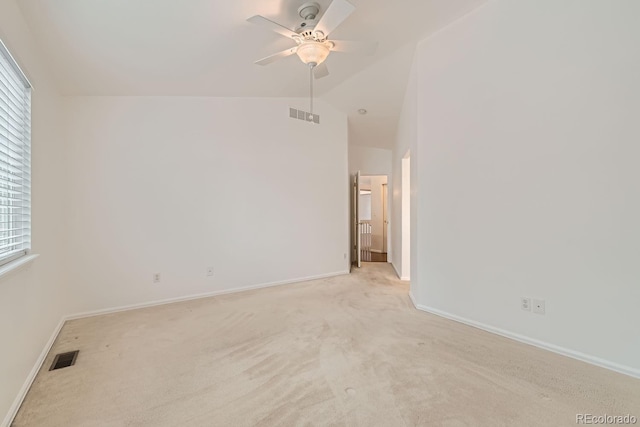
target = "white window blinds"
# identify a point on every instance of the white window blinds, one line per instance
(15, 160)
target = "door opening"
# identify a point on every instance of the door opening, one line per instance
(356, 259)
(372, 217)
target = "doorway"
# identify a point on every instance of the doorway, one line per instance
(405, 265)
(372, 218)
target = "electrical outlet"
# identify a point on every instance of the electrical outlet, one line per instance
(156, 278)
(344, 256)
(538, 306)
(525, 303)
(209, 271)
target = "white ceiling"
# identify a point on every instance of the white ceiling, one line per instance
(206, 48)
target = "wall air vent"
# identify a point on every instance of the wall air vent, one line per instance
(64, 360)
(304, 115)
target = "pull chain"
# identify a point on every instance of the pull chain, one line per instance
(311, 66)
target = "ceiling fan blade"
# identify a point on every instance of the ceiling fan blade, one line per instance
(320, 71)
(338, 11)
(273, 26)
(272, 58)
(346, 46)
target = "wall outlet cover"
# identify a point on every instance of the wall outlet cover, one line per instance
(525, 303)
(538, 306)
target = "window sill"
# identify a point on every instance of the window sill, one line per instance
(17, 264)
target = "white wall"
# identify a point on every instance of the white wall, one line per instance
(529, 179)
(172, 185)
(406, 143)
(377, 214)
(369, 161)
(33, 299)
(405, 220)
(364, 206)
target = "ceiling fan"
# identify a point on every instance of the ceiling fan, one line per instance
(311, 37)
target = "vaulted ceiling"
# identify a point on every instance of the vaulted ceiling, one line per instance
(207, 48)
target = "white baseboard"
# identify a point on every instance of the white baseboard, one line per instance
(13, 410)
(413, 300)
(627, 370)
(202, 295)
(36, 368)
(395, 269)
(401, 277)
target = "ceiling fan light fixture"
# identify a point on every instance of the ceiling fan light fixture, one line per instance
(313, 52)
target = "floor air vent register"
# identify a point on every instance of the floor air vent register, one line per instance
(64, 360)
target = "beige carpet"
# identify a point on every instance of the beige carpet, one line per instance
(345, 351)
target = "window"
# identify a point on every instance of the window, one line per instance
(15, 160)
